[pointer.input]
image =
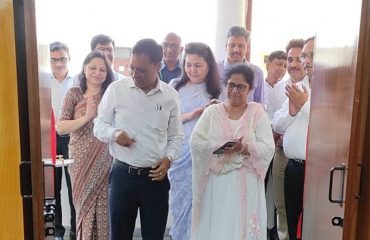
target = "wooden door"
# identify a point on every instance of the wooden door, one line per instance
(359, 192)
(11, 224)
(33, 122)
(332, 172)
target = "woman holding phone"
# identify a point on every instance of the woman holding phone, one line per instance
(228, 186)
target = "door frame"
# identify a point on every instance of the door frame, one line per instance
(358, 198)
(29, 112)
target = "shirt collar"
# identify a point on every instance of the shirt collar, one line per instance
(163, 65)
(158, 86)
(228, 65)
(267, 84)
(68, 76)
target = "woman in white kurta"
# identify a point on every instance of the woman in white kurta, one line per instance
(228, 189)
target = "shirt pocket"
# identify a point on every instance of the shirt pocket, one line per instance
(159, 122)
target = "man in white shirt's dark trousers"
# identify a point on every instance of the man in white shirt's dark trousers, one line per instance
(140, 119)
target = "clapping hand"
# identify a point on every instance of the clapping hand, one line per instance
(297, 98)
(91, 109)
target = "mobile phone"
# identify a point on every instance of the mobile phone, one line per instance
(221, 149)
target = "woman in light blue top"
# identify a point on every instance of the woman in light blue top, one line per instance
(198, 87)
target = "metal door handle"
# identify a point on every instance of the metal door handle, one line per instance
(341, 168)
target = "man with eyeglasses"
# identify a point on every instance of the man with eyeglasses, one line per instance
(172, 49)
(292, 121)
(61, 81)
(105, 44)
(237, 47)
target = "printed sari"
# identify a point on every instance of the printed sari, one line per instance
(89, 172)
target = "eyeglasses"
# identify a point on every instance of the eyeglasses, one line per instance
(292, 59)
(106, 50)
(304, 56)
(239, 87)
(61, 60)
(170, 46)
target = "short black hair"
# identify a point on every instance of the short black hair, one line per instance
(295, 43)
(277, 55)
(100, 39)
(55, 46)
(238, 31)
(150, 48)
(244, 70)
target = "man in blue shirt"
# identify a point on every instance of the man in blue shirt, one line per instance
(172, 49)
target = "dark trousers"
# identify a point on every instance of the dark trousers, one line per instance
(62, 149)
(128, 193)
(293, 188)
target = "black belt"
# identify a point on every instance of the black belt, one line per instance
(137, 171)
(301, 161)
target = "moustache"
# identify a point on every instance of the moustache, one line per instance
(293, 68)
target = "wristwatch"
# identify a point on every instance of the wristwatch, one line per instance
(169, 158)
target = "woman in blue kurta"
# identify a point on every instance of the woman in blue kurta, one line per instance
(198, 87)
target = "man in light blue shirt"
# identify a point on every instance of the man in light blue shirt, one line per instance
(237, 46)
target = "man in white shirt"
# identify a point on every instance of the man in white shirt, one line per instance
(273, 104)
(61, 81)
(292, 121)
(140, 119)
(276, 65)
